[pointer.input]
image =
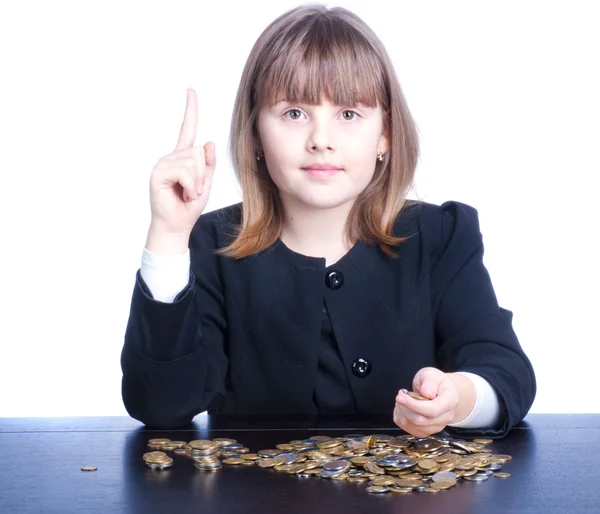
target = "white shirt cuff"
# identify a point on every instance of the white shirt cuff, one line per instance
(486, 411)
(166, 275)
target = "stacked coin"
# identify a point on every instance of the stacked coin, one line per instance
(206, 454)
(158, 460)
(400, 464)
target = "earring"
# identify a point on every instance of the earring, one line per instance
(380, 155)
(259, 154)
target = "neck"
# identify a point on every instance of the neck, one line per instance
(314, 231)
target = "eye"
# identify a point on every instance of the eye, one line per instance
(351, 118)
(293, 111)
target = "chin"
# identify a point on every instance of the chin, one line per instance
(326, 200)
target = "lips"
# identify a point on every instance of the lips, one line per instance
(321, 170)
(322, 173)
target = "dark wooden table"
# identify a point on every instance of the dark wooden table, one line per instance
(555, 469)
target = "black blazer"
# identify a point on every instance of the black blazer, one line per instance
(243, 336)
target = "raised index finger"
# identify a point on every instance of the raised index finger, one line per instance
(187, 134)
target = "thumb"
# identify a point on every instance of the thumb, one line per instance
(427, 382)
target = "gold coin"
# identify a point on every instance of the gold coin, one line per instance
(285, 447)
(159, 441)
(222, 441)
(416, 396)
(250, 456)
(202, 444)
(359, 461)
(502, 475)
(427, 464)
(402, 490)
(483, 441)
(377, 489)
(233, 461)
(89, 468)
(431, 490)
(329, 444)
(266, 463)
(383, 481)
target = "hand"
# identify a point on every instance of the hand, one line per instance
(423, 418)
(181, 181)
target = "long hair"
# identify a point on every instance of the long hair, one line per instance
(307, 53)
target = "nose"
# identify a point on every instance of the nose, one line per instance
(321, 137)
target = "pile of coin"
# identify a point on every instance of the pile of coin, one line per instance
(400, 464)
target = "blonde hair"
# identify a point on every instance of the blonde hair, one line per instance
(308, 52)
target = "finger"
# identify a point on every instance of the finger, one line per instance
(187, 183)
(428, 408)
(412, 417)
(187, 134)
(423, 376)
(211, 163)
(429, 382)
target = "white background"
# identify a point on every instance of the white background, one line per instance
(505, 96)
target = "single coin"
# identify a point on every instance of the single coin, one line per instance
(159, 441)
(483, 441)
(431, 490)
(416, 396)
(377, 489)
(89, 468)
(502, 475)
(335, 465)
(233, 461)
(222, 441)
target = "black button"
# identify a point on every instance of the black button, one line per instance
(334, 279)
(361, 367)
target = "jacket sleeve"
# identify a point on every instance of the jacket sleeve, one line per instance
(173, 358)
(473, 333)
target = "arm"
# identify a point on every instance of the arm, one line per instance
(473, 333)
(173, 360)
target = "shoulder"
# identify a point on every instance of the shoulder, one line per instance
(437, 225)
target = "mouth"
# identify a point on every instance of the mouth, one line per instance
(322, 171)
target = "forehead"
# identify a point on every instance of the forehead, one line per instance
(315, 79)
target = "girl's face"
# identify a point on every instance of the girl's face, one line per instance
(295, 137)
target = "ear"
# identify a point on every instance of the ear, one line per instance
(384, 143)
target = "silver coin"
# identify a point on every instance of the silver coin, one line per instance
(303, 475)
(208, 465)
(290, 458)
(355, 472)
(325, 473)
(495, 467)
(159, 466)
(476, 478)
(336, 465)
(443, 474)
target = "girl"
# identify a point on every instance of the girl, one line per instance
(325, 291)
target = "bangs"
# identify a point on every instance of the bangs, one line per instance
(328, 59)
